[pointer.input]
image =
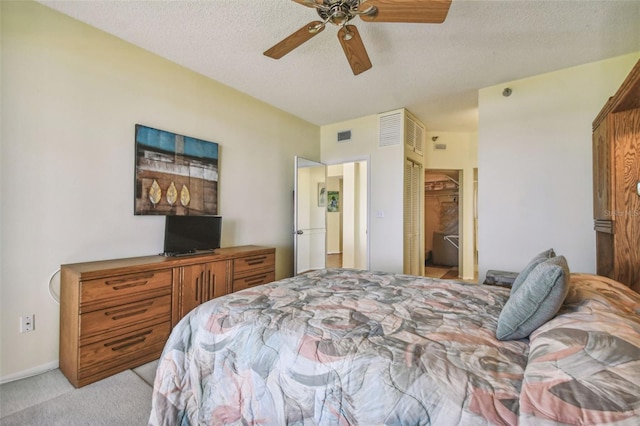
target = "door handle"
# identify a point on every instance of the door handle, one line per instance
(638, 188)
(299, 232)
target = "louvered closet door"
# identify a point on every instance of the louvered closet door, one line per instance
(414, 135)
(412, 188)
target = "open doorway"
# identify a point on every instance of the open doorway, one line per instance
(347, 215)
(442, 223)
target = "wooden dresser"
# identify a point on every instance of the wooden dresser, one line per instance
(117, 314)
(616, 184)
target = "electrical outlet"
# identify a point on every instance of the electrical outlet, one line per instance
(27, 323)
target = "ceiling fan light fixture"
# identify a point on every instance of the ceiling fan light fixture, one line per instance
(338, 13)
(340, 18)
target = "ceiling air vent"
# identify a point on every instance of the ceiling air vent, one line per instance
(344, 136)
(390, 129)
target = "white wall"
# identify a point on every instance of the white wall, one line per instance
(71, 96)
(535, 165)
(385, 186)
(461, 154)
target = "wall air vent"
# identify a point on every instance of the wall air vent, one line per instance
(390, 129)
(439, 146)
(344, 136)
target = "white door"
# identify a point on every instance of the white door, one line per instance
(310, 215)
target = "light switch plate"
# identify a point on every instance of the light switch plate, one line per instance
(638, 188)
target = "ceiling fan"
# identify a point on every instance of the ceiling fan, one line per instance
(341, 12)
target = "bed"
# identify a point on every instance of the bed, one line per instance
(354, 347)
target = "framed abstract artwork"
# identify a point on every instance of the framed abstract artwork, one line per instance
(333, 201)
(174, 174)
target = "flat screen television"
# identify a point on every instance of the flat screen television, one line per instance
(190, 234)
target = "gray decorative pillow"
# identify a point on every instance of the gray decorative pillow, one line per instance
(538, 259)
(537, 300)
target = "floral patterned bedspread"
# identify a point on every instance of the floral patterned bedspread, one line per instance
(584, 364)
(350, 347)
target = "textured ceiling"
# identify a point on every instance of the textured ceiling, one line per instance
(434, 70)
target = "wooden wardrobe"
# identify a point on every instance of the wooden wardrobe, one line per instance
(616, 183)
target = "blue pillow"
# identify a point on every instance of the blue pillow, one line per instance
(538, 259)
(538, 299)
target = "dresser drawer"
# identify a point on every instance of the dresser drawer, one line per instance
(247, 265)
(126, 346)
(253, 280)
(112, 318)
(94, 291)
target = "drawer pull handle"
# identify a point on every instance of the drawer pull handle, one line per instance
(126, 345)
(128, 311)
(255, 260)
(128, 341)
(255, 280)
(130, 282)
(198, 290)
(120, 287)
(124, 280)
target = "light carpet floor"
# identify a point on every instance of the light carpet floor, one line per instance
(49, 399)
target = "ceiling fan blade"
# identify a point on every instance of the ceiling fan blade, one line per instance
(294, 40)
(415, 11)
(354, 49)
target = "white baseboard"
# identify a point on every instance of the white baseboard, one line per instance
(30, 372)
